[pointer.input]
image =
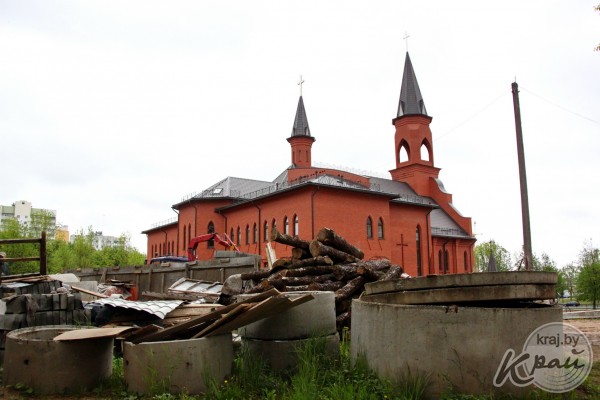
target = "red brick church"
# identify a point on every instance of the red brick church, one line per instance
(409, 218)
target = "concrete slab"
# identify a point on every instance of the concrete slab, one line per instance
(462, 280)
(466, 294)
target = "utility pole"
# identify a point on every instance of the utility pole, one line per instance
(528, 254)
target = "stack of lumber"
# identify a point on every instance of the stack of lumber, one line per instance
(327, 263)
(221, 320)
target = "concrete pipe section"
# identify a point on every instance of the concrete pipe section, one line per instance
(313, 318)
(32, 358)
(281, 355)
(178, 366)
(457, 347)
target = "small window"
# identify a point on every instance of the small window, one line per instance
(255, 233)
(266, 231)
(296, 231)
(239, 236)
(185, 243)
(217, 190)
(419, 266)
(247, 234)
(232, 235)
(369, 228)
(380, 229)
(440, 262)
(286, 226)
(211, 229)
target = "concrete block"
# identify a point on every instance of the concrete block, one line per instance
(16, 305)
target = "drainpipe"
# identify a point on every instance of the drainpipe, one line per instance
(177, 234)
(195, 220)
(429, 255)
(312, 210)
(444, 256)
(225, 218)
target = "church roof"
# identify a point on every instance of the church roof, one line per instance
(300, 127)
(443, 225)
(411, 100)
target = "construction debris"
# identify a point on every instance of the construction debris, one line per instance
(328, 263)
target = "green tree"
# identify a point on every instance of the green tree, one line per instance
(482, 256)
(83, 248)
(41, 221)
(570, 274)
(588, 283)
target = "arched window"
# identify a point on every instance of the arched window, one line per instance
(380, 228)
(369, 228)
(189, 232)
(425, 153)
(211, 229)
(168, 247)
(247, 234)
(255, 233)
(403, 152)
(173, 246)
(419, 266)
(440, 262)
(296, 231)
(232, 235)
(273, 225)
(239, 236)
(286, 226)
(266, 231)
(184, 239)
(465, 262)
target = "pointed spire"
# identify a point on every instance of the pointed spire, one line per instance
(411, 101)
(300, 122)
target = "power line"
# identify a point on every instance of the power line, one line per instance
(472, 116)
(561, 107)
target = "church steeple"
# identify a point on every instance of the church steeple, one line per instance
(411, 101)
(413, 138)
(301, 140)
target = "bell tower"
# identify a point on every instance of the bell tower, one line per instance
(301, 141)
(413, 143)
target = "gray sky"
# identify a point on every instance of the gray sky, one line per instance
(112, 111)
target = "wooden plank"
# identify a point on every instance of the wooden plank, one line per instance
(91, 333)
(242, 308)
(172, 332)
(462, 280)
(466, 294)
(193, 311)
(103, 296)
(259, 312)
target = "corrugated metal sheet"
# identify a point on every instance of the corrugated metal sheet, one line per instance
(159, 308)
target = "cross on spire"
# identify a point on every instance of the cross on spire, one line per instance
(406, 36)
(300, 84)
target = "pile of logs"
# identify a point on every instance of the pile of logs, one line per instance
(327, 263)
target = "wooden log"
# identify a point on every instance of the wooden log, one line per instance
(343, 320)
(343, 306)
(345, 272)
(281, 263)
(369, 274)
(300, 254)
(307, 280)
(330, 286)
(293, 241)
(256, 275)
(377, 265)
(330, 238)
(302, 288)
(395, 272)
(309, 262)
(316, 270)
(350, 288)
(319, 249)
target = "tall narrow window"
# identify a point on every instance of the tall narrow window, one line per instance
(446, 257)
(247, 234)
(369, 228)
(465, 262)
(403, 153)
(239, 236)
(286, 226)
(189, 231)
(273, 225)
(232, 236)
(440, 262)
(211, 229)
(425, 153)
(185, 243)
(266, 231)
(296, 231)
(173, 246)
(380, 228)
(168, 248)
(419, 266)
(255, 233)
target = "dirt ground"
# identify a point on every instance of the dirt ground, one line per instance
(591, 329)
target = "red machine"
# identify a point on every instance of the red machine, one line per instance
(221, 239)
